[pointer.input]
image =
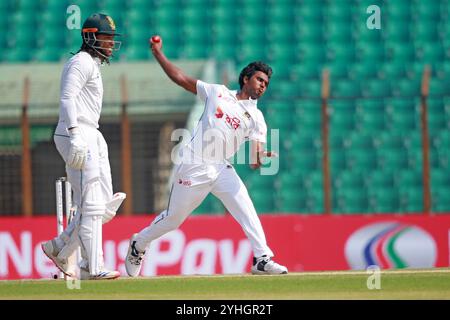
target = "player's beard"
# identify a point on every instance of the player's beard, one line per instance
(256, 94)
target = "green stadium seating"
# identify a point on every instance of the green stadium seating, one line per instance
(345, 89)
(425, 31)
(381, 179)
(352, 201)
(336, 11)
(362, 159)
(427, 11)
(281, 13)
(314, 201)
(440, 178)
(341, 116)
(400, 51)
(397, 31)
(281, 31)
(398, 11)
(411, 199)
(338, 31)
(374, 109)
(310, 52)
(375, 88)
(291, 200)
(393, 160)
(300, 72)
(281, 51)
(16, 55)
(309, 12)
(384, 200)
(363, 70)
(431, 52)
(262, 200)
(338, 161)
(392, 70)
(441, 200)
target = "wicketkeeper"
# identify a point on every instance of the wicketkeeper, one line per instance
(85, 152)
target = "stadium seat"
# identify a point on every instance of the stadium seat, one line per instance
(427, 11)
(425, 32)
(309, 34)
(440, 178)
(281, 31)
(16, 55)
(363, 70)
(338, 71)
(400, 51)
(411, 199)
(371, 121)
(384, 200)
(341, 116)
(381, 179)
(362, 159)
(10, 136)
(314, 201)
(392, 70)
(291, 200)
(281, 13)
(335, 11)
(345, 89)
(403, 117)
(338, 161)
(393, 159)
(359, 141)
(441, 200)
(192, 51)
(398, 11)
(375, 88)
(310, 52)
(262, 200)
(338, 30)
(431, 52)
(353, 201)
(281, 51)
(336, 51)
(309, 12)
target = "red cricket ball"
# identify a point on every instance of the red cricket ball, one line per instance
(156, 39)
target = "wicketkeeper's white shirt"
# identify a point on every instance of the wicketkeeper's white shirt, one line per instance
(81, 92)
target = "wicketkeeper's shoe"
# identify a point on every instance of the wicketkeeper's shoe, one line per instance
(265, 265)
(51, 251)
(103, 275)
(133, 261)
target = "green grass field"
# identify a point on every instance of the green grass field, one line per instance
(398, 284)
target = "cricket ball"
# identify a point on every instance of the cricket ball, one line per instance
(156, 39)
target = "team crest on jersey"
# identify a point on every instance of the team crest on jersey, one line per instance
(219, 113)
(186, 183)
(111, 23)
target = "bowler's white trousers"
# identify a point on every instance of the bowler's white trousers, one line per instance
(191, 184)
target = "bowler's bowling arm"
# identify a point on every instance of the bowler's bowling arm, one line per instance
(173, 72)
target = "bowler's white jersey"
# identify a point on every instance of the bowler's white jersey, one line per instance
(81, 92)
(225, 125)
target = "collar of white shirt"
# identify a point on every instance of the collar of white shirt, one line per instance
(248, 103)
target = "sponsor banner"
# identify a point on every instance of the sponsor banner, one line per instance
(217, 244)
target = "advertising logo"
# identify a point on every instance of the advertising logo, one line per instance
(391, 245)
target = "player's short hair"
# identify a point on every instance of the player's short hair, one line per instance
(251, 69)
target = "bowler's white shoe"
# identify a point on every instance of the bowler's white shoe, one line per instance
(265, 265)
(51, 251)
(133, 261)
(103, 275)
